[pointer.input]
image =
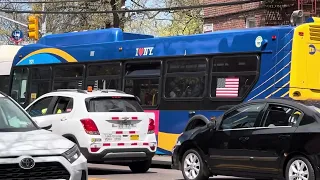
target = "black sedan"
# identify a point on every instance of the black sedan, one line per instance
(262, 139)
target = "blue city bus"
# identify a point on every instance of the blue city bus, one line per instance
(178, 78)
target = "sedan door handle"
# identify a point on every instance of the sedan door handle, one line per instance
(284, 136)
(243, 139)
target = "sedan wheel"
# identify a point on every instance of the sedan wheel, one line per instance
(193, 167)
(299, 168)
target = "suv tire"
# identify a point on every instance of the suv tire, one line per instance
(306, 168)
(198, 165)
(140, 166)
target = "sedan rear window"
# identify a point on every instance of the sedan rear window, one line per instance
(113, 104)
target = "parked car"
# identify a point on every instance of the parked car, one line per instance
(108, 125)
(262, 139)
(29, 152)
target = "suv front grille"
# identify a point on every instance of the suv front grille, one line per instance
(41, 171)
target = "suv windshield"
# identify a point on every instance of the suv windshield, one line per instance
(13, 119)
(110, 104)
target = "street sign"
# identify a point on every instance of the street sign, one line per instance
(16, 36)
(207, 28)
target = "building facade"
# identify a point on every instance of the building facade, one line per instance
(262, 13)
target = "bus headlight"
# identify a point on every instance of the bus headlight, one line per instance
(72, 154)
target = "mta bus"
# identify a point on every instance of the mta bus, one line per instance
(184, 80)
(7, 54)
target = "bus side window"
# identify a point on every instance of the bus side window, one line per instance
(19, 85)
(233, 76)
(185, 78)
(143, 80)
(104, 75)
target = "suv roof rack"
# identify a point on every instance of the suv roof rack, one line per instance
(112, 90)
(72, 90)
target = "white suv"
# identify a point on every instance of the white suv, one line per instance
(29, 152)
(108, 126)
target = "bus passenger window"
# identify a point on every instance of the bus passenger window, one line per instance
(233, 76)
(145, 89)
(184, 87)
(68, 77)
(40, 81)
(104, 75)
(142, 80)
(4, 83)
(104, 84)
(70, 84)
(74, 71)
(231, 86)
(19, 85)
(185, 78)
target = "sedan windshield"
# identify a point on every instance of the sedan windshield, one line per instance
(13, 119)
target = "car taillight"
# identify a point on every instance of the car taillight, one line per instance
(151, 126)
(90, 127)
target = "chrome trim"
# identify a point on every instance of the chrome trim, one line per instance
(125, 155)
(253, 128)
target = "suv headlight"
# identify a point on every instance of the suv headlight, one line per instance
(72, 154)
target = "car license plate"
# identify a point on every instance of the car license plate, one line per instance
(134, 137)
(125, 126)
(112, 137)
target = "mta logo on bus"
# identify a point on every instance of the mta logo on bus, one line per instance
(146, 51)
(312, 49)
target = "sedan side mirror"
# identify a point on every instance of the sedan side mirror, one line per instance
(212, 125)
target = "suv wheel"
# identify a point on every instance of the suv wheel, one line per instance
(193, 167)
(140, 166)
(299, 168)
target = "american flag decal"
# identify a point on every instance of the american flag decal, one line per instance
(227, 87)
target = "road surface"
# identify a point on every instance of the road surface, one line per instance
(109, 172)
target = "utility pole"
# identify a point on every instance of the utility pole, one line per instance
(44, 21)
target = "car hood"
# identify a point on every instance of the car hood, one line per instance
(38, 142)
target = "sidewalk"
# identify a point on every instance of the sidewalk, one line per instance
(161, 160)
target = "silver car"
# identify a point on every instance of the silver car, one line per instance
(27, 151)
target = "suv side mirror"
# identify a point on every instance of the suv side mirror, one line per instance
(44, 125)
(47, 127)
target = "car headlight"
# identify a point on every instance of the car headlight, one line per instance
(72, 154)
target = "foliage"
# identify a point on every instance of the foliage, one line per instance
(154, 23)
(59, 23)
(167, 23)
(183, 22)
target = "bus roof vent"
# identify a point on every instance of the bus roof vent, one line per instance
(89, 37)
(314, 32)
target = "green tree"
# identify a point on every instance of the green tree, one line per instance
(183, 22)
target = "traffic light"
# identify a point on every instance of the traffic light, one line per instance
(33, 27)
